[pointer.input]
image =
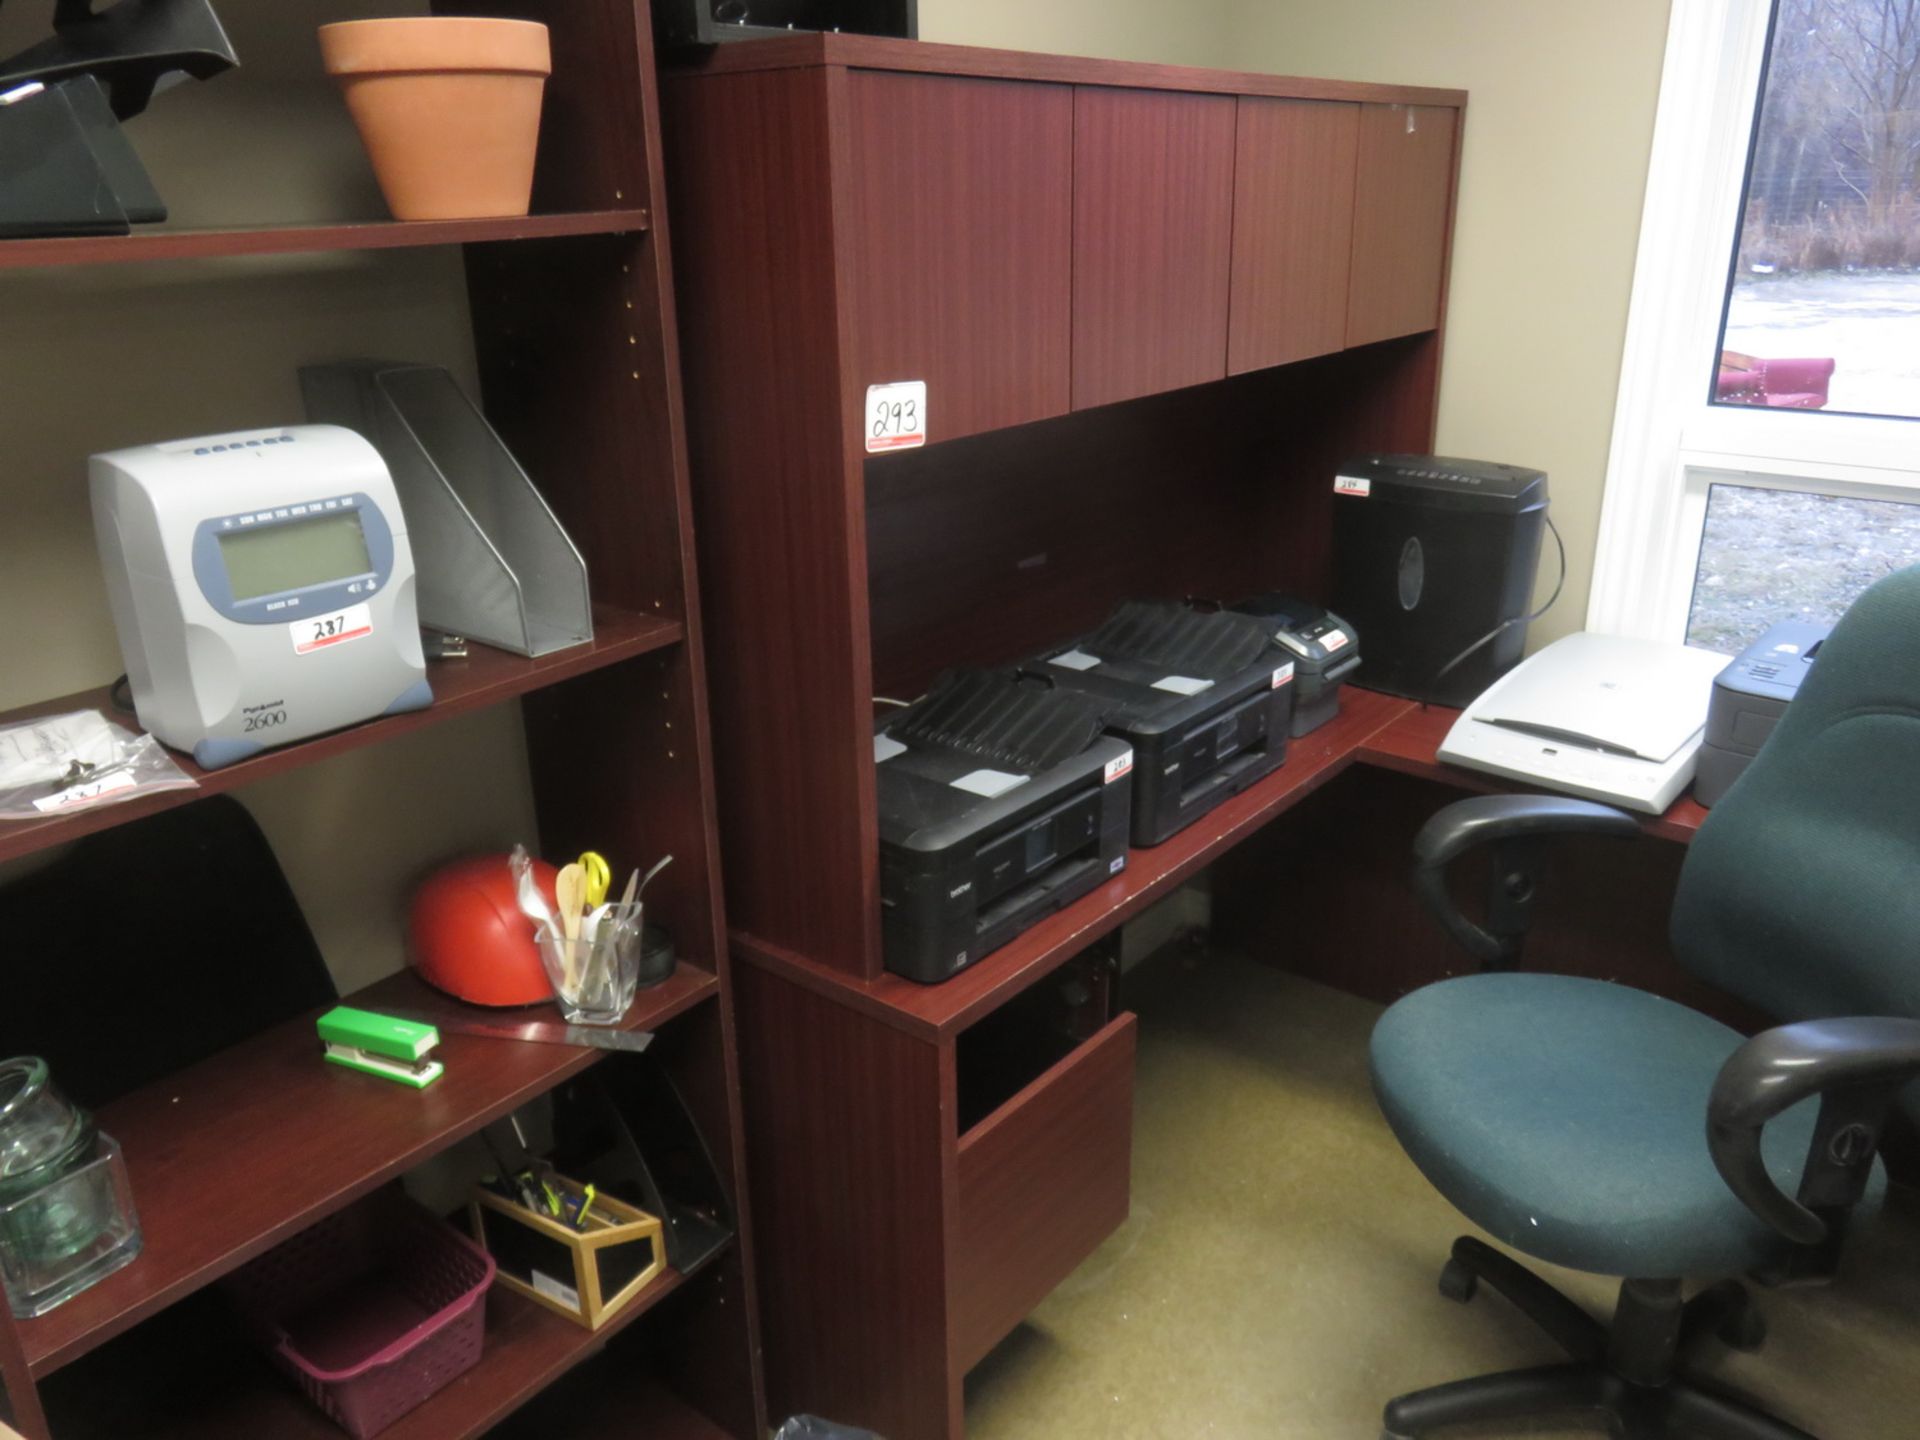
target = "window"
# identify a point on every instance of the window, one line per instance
(1780, 265)
(1770, 554)
(1824, 292)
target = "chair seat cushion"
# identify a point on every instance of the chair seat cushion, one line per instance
(1567, 1117)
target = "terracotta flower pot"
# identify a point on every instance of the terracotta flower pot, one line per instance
(448, 108)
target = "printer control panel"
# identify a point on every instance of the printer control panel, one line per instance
(1037, 846)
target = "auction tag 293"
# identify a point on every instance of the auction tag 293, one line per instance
(896, 416)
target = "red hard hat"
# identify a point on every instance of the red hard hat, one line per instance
(468, 937)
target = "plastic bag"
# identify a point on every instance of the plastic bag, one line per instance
(67, 762)
(812, 1427)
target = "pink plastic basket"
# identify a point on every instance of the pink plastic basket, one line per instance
(370, 1311)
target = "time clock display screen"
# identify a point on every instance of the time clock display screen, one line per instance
(294, 554)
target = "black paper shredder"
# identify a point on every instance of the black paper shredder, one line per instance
(1431, 554)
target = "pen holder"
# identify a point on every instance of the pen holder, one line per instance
(594, 976)
(57, 1240)
(586, 1274)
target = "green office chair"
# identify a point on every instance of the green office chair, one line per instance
(1605, 1129)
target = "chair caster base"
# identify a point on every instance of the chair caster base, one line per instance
(1625, 1376)
(1459, 1284)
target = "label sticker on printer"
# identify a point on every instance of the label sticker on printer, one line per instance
(885, 747)
(1182, 684)
(988, 783)
(1120, 765)
(319, 632)
(1283, 676)
(1352, 485)
(1076, 660)
(1333, 640)
(896, 416)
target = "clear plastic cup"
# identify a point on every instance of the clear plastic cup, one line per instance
(594, 976)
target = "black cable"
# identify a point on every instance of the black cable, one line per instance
(115, 691)
(1506, 625)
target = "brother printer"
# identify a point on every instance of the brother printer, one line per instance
(1000, 801)
(1749, 697)
(1205, 699)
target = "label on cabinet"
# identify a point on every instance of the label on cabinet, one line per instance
(896, 416)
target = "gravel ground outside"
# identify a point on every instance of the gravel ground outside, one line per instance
(1771, 555)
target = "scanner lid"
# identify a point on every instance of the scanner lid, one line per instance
(1639, 698)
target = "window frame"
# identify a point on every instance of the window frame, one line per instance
(1670, 443)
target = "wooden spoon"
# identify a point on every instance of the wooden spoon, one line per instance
(570, 890)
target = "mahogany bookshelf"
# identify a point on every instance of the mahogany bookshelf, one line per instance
(237, 1397)
(164, 244)
(574, 336)
(485, 677)
(232, 1155)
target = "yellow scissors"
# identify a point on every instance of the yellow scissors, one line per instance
(598, 875)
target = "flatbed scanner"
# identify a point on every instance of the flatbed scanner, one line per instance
(1601, 716)
(1204, 697)
(1000, 801)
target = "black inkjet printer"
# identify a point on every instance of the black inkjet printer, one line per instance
(1000, 801)
(1325, 651)
(1749, 697)
(1203, 696)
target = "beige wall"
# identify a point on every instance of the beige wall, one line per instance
(1172, 32)
(1559, 125)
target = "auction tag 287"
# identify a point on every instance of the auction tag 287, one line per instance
(323, 632)
(896, 416)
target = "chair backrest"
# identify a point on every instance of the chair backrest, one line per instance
(1801, 893)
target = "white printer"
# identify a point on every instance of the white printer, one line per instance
(1600, 716)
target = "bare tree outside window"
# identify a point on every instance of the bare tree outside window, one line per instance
(1823, 306)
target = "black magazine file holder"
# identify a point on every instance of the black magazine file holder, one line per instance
(151, 946)
(625, 1127)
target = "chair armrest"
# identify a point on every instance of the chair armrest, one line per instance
(1516, 825)
(1857, 1065)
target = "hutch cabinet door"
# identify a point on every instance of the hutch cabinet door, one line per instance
(1403, 192)
(1152, 241)
(1292, 230)
(959, 245)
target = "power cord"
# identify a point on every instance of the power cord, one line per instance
(1506, 625)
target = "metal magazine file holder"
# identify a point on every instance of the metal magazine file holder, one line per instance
(491, 560)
